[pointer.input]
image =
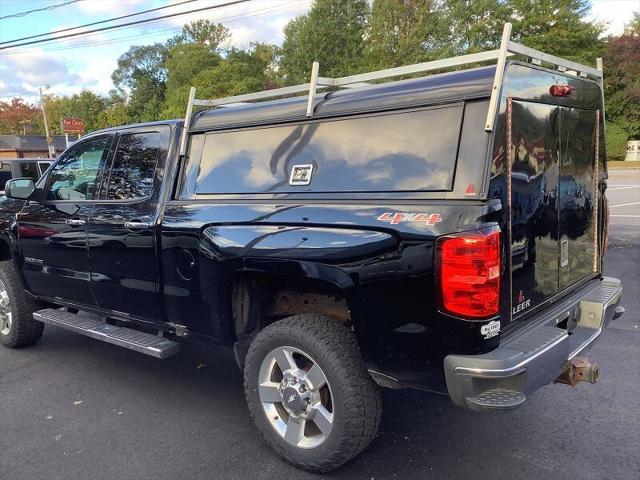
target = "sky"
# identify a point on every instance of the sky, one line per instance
(69, 65)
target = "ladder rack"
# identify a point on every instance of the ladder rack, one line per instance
(500, 55)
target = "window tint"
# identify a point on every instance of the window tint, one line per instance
(133, 166)
(5, 174)
(43, 167)
(74, 177)
(29, 170)
(410, 151)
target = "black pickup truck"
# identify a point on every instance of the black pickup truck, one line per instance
(444, 233)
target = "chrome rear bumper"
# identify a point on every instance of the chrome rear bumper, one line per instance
(535, 355)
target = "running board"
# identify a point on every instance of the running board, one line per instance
(94, 327)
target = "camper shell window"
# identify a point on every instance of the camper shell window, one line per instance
(406, 151)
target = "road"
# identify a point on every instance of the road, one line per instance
(74, 408)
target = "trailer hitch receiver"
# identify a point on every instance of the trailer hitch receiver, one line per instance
(579, 369)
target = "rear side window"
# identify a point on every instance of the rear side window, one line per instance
(5, 174)
(134, 166)
(409, 151)
(30, 170)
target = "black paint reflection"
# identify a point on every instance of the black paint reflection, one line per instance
(534, 184)
(577, 193)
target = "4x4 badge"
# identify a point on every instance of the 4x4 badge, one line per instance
(395, 218)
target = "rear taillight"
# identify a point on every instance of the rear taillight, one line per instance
(468, 268)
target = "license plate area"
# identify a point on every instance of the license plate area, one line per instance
(568, 319)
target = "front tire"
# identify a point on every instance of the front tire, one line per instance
(17, 326)
(309, 392)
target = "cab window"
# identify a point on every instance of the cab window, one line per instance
(75, 176)
(134, 165)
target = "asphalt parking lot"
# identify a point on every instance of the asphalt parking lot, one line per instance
(74, 408)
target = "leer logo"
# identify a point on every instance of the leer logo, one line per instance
(522, 303)
(395, 218)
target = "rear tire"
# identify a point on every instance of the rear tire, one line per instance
(324, 396)
(17, 326)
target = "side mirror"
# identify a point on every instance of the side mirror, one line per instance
(19, 188)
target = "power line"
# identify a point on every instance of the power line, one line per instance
(97, 23)
(125, 38)
(137, 22)
(50, 7)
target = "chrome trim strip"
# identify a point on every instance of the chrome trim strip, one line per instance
(513, 370)
(553, 60)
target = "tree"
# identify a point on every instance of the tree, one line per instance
(331, 33)
(240, 72)
(475, 25)
(559, 27)
(85, 105)
(617, 138)
(402, 32)
(205, 32)
(18, 117)
(141, 74)
(622, 82)
(634, 26)
(184, 62)
(115, 112)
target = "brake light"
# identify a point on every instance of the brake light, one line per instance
(469, 273)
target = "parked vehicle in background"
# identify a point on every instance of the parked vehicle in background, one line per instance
(22, 168)
(443, 233)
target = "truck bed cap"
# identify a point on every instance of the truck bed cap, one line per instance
(434, 89)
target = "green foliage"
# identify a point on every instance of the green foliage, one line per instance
(331, 33)
(622, 83)
(617, 138)
(184, 62)
(115, 112)
(86, 105)
(634, 26)
(402, 32)
(475, 25)
(241, 72)
(142, 73)
(205, 32)
(558, 27)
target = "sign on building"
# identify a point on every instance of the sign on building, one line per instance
(72, 125)
(633, 150)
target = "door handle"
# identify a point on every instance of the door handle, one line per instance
(136, 225)
(74, 222)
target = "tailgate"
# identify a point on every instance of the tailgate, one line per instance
(553, 200)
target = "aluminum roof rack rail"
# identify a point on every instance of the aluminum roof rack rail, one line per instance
(500, 55)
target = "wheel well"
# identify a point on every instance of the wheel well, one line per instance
(259, 300)
(5, 253)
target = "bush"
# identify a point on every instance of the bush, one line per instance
(617, 138)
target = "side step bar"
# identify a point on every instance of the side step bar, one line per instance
(92, 326)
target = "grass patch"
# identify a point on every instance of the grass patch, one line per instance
(632, 164)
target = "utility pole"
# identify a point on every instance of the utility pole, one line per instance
(50, 145)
